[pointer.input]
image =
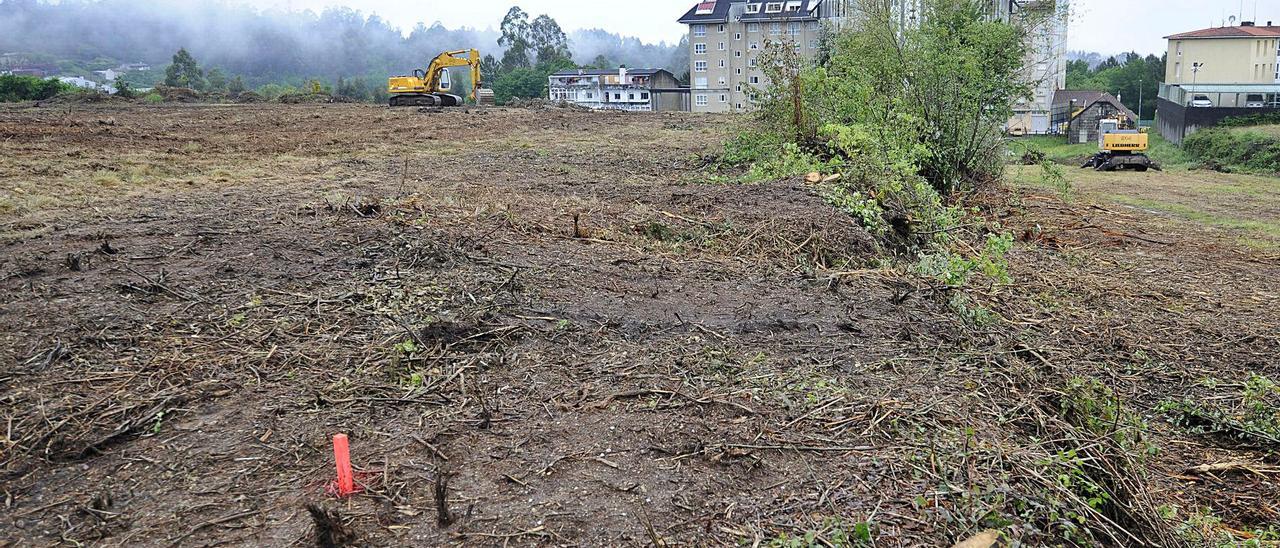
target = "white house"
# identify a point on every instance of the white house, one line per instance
(640, 90)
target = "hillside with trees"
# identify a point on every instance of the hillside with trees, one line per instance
(233, 46)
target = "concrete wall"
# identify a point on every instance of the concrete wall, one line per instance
(1175, 122)
(1226, 61)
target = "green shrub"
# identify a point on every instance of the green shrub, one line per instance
(153, 98)
(1242, 151)
(29, 88)
(1264, 119)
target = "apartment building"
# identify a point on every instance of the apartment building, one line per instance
(1216, 73)
(1244, 54)
(637, 90)
(726, 38)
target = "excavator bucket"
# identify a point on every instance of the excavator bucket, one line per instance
(484, 97)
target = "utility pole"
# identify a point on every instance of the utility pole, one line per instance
(1139, 126)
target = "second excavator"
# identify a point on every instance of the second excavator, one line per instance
(1121, 146)
(431, 87)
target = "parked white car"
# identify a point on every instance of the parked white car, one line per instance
(1200, 101)
(1255, 100)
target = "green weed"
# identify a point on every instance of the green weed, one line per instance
(1251, 415)
(833, 532)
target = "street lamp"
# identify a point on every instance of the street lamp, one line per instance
(1195, 71)
(1139, 126)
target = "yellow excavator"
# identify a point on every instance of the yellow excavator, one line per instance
(1122, 147)
(431, 87)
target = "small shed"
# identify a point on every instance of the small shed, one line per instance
(1081, 112)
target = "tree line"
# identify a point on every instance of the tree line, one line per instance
(1130, 77)
(343, 48)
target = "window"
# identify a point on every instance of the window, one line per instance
(700, 49)
(724, 98)
(793, 29)
(751, 62)
(722, 81)
(699, 30)
(645, 96)
(753, 27)
(754, 46)
(631, 97)
(722, 61)
(737, 53)
(755, 80)
(721, 31)
(753, 8)
(775, 28)
(813, 44)
(739, 71)
(617, 97)
(700, 100)
(700, 82)
(814, 25)
(699, 66)
(737, 36)
(722, 48)
(738, 88)
(773, 7)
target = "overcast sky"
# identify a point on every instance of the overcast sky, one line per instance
(1107, 26)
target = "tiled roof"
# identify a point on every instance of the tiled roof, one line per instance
(1062, 97)
(808, 11)
(1085, 99)
(718, 11)
(1229, 32)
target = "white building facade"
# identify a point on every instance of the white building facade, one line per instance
(634, 90)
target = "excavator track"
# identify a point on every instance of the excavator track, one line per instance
(425, 100)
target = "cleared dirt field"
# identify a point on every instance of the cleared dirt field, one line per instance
(555, 311)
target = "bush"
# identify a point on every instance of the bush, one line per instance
(29, 88)
(153, 98)
(123, 88)
(944, 87)
(1237, 150)
(1264, 119)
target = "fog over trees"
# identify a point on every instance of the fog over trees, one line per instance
(266, 46)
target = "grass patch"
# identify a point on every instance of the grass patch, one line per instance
(106, 178)
(1246, 150)
(1255, 227)
(1269, 130)
(1056, 149)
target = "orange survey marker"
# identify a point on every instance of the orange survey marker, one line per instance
(346, 485)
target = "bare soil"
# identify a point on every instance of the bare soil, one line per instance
(553, 310)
